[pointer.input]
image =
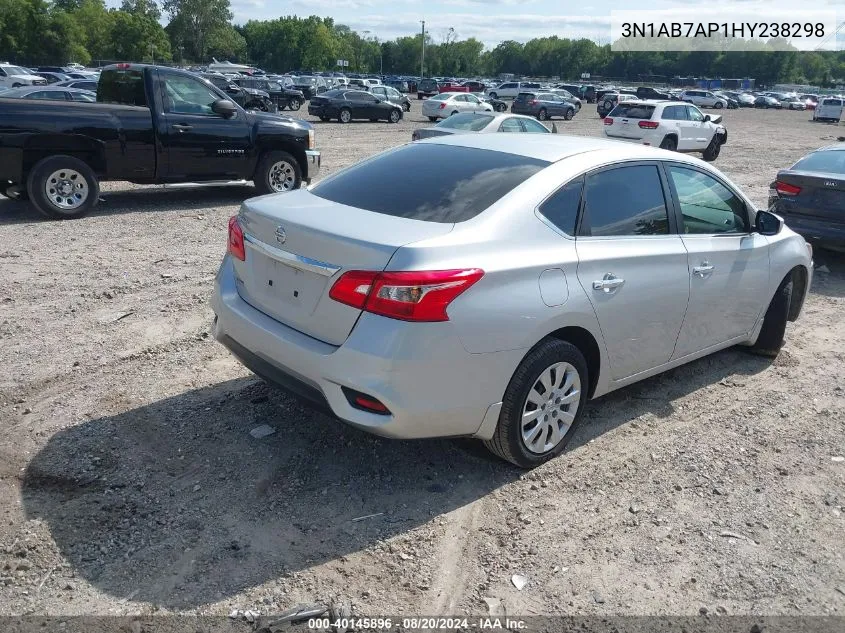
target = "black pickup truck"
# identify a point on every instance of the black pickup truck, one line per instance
(151, 124)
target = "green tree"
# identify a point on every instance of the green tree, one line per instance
(193, 24)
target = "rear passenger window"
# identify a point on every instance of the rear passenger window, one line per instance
(675, 113)
(561, 209)
(625, 201)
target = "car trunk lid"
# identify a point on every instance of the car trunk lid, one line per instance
(297, 245)
(820, 195)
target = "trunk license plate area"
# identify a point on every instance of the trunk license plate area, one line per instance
(831, 198)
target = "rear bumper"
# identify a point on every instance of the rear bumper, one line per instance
(420, 371)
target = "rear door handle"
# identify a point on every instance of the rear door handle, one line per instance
(609, 283)
(182, 127)
(704, 270)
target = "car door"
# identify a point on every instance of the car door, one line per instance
(511, 125)
(632, 265)
(201, 144)
(379, 91)
(474, 104)
(698, 130)
(728, 262)
(675, 117)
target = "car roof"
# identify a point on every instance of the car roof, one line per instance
(555, 147)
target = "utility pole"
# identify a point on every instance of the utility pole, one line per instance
(422, 57)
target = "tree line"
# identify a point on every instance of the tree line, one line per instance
(86, 31)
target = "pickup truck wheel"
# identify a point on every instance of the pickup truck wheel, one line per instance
(542, 404)
(277, 172)
(295, 104)
(712, 152)
(669, 143)
(395, 116)
(63, 187)
(345, 115)
(569, 114)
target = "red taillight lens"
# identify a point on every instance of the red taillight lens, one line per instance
(123, 66)
(236, 239)
(648, 125)
(408, 296)
(785, 189)
(442, 105)
(608, 120)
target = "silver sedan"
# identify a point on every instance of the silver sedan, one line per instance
(483, 123)
(448, 103)
(495, 287)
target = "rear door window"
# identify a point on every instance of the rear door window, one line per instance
(561, 208)
(440, 183)
(625, 201)
(675, 113)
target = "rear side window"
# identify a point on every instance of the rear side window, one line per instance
(440, 183)
(561, 208)
(466, 121)
(124, 87)
(625, 201)
(633, 111)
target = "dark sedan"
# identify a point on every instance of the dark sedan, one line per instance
(498, 104)
(53, 78)
(810, 196)
(767, 102)
(82, 84)
(346, 105)
(543, 105)
(282, 96)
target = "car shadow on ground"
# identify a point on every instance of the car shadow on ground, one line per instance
(176, 503)
(829, 273)
(149, 199)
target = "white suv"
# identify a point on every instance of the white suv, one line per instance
(510, 89)
(14, 76)
(704, 99)
(669, 125)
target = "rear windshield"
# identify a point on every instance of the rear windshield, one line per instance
(633, 111)
(832, 102)
(440, 183)
(441, 97)
(125, 87)
(466, 121)
(830, 162)
(428, 84)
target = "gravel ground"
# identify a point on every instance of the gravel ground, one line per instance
(129, 481)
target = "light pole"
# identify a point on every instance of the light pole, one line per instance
(422, 57)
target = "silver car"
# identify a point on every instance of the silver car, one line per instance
(446, 104)
(497, 286)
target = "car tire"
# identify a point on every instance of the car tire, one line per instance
(277, 172)
(493, 95)
(607, 106)
(82, 193)
(542, 115)
(770, 339)
(669, 143)
(345, 115)
(294, 104)
(718, 105)
(569, 114)
(406, 107)
(712, 151)
(395, 116)
(502, 107)
(432, 118)
(510, 440)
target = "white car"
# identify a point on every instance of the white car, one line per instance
(829, 109)
(510, 89)
(448, 103)
(704, 99)
(678, 127)
(15, 76)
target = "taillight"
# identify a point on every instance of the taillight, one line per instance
(532, 102)
(785, 189)
(236, 239)
(608, 120)
(442, 105)
(648, 125)
(123, 66)
(408, 296)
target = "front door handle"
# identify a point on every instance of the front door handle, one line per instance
(706, 269)
(609, 283)
(182, 127)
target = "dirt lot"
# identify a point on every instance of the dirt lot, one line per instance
(129, 482)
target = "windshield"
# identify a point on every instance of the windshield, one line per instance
(466, 121)
(439, 183)
(16, 70)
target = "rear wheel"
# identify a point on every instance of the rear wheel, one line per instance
(294, 104)
(670, 143)
(395, 115)
(277, 172)
(718, 105)
(774, 323)
(63, 187)
(502, 107)
(542, 404)
(542, 115)
(345, 115)
(712, 152)
(569, 114)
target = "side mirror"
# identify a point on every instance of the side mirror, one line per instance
(767, 223)
(706, 118)
(224, 108)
